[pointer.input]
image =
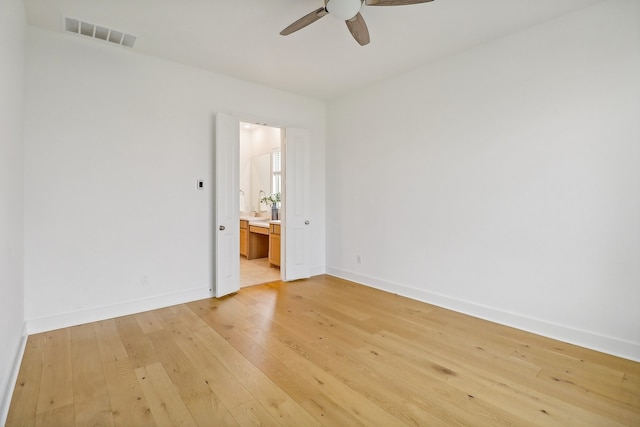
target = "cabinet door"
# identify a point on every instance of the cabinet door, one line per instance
(243, 240)
(274, 247)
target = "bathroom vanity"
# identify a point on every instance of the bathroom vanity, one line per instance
(260, 238)
(258, 244)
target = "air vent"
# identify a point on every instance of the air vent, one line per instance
(98, 32)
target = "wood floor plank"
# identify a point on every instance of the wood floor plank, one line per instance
(471, 370)
(272, 398)
(291, 350)
(403, 384)
(631, 384)
(91, 402)
(252, 414)
(281, 374)
(139, 350)
(167, 407)
(585, 395)
(427, 381)
(216, 376)
(319, 406)
(22, 411)
(109, 341)
(525, 406)
(148, 322)
(128, 403)
(322, 351)
(61, 416)
(205, 405)
(56, 388)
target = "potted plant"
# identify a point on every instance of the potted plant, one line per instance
(273, 200)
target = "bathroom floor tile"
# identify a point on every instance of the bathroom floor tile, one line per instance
(257, 271)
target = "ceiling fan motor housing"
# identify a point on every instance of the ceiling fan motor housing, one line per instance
(343, 9)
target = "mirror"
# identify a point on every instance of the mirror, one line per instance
(260, 181)
(259, 152)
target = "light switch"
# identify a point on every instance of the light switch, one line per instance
(200, 184)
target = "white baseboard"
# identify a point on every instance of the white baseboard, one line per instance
(605, 344)
(50, 323)
(66, 320)
(6, 390)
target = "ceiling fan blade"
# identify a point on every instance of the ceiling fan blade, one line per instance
(393, 2)
(304, 21)
(358, 29)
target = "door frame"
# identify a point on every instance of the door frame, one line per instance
(216, 195)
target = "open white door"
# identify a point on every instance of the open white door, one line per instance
(226, 220)
(297, 204)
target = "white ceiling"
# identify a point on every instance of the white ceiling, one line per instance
(240, 37)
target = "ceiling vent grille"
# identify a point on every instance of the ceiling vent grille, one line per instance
(98, 32)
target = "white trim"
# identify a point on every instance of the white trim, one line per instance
(593, 341)
(9, 386)
(50, 323)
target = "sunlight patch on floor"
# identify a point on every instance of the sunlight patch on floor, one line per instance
(257, 271)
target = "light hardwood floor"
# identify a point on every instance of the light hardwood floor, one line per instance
(257, 271)
(322, 351)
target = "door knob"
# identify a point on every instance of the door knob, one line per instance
(221, 228)
(306, 222)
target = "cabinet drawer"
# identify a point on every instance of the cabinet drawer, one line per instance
(274, 229)
(258, 230)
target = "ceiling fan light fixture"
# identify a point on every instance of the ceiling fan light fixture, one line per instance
(343, 9)
(349, 12)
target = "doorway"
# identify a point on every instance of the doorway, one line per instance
(260, 203)
(295, 210)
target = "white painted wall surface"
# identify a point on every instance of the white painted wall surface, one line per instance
(245, 168)
(114, 144)
(12, 41)
(265, 140)
(503, 181)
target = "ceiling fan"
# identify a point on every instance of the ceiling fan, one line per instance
(348, 11)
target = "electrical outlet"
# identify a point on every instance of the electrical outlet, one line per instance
(358, 259)
(144, 280)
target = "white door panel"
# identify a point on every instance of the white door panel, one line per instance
(226, 215)
(296, 219)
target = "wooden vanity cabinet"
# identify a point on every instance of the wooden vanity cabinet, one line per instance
(244, 236)
(274, 244)
(258, 244)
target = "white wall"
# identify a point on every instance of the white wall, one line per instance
(114, 144)
(245, 169)
(502, 182)
(12, 32)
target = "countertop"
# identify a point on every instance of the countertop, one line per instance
(259, 221)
